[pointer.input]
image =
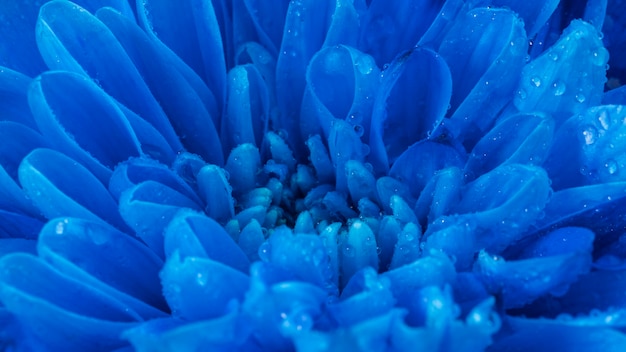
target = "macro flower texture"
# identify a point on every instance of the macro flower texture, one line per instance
(312, 175)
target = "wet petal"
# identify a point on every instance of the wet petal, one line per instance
(412, 101)
(189, 281)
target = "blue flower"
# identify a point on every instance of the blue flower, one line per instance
(312, 175)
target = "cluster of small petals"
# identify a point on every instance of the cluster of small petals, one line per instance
(312, 175)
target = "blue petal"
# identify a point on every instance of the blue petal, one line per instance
(194, 235)
(191, 30)
(568, 77)
(269, 21)
(407, 249)
(59, 186)
(216, 192)
(112, 257)
(341, 83)
(440, 195)
(191, 107)
(13, 97)
(250, 240)
(344, 144)
(434, 270)
(148, 207)
(61, 31)
(534, 14)
(358, 250)
(404, 21)
(481, 50)
(17, 225)
(137, 170)
(18, 50)
(587, 148)
(361, 182)
(421, 161)
(408, 106)
(243, 166)
(248, 113)
(195, 287)
(82, 128)
(521, 138)
(75, 316)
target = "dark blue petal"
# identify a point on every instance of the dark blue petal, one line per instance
(482, 49)
(568, 77)
(148, 207)
(344, 144)
(60, 311)
(269, 21)
(17, 225)
(534, 14)
(392, 27)
(92, 130)
(110, 256)
(62, 32)
(194, 235)
(440, 195)
(13, 97)
(412, 101)
(191, 107)
(59, 186)
(521, 138)
(421, 161)
(407, 249)
(191, 30)
(361, 182)
(18, 50)
(320, 159)
(11, 245)
(195, 288)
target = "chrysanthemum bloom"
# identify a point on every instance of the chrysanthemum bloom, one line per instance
(312, 175)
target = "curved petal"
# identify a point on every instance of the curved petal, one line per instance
(112, 257)
(59, 186)
(194, 115)
(421, 161)
(243, 166)
(412, 101)
(524, 138)
(358, 251)
(191, 234)
(82, 128)
(440, 195)
(61, 31)
(192, 31)
(404, 21)
(587, 148)
(482, 48)
(148, 207)
(199, 288)
(13, 97)
(216, 192)
(18, 50)
(568, 77)
(248, 113)
(269, 21)
(341, 83)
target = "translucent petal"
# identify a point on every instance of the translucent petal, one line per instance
(62, 29)
(199, 288)
(568, 77)
(59, 186)
(112, 257)
(194, 235)
(414, 94)
(481, 49)
(82, 128)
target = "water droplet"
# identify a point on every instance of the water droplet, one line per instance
(611, 167)
(522, 94)
(536, 81)
(559, 88)
(201, 279)
(265, 251)
(590, 133)
(600, 56)
(604, 120)
(553, 55)
(580, 98)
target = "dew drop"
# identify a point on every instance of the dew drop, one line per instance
(536, 81)
(522, 94)
(265, 251)
(611, 167)
(590, 133)
(580, 98)
(559, 88)
(348, 251)
(600, 56)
